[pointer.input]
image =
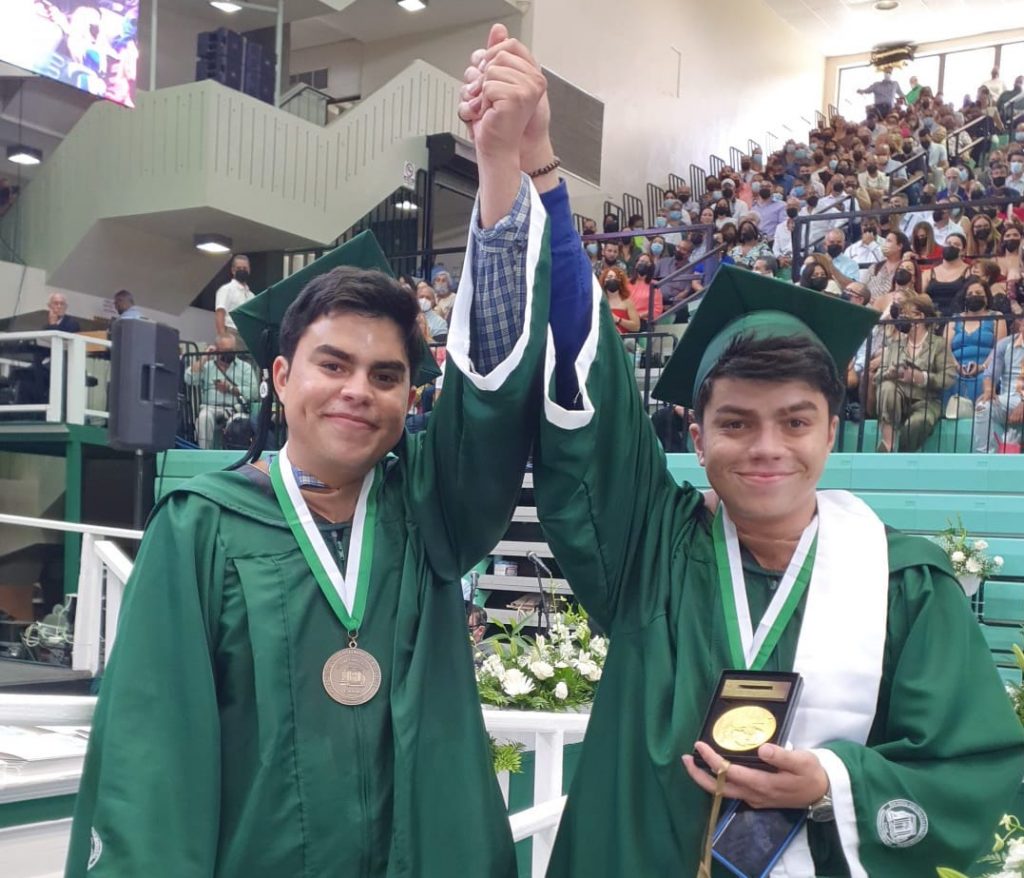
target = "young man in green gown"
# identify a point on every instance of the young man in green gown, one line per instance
(291, 692)
(905, 751)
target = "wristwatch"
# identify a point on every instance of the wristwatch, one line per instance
(821, 811)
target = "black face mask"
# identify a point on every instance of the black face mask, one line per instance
(242, 275)
(837, 189)
(902, 277)
(975, 303)
(748, 236)
(611, 285)
(226, 359)
(825, 177)
(722, 211)
(812, 202)
(999, 182)
(834, 250)
(792, 212)
(766, 192)
(697, 238)
(611, 227)
(818, 284)
(982, 234)
(644, 270)
(1012, 245)
(927, 198)
(938, 215)
(950, 253)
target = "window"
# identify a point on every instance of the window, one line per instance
(1011, 63)
(852, 105)
(965, 73)
(925, 68)
(315, 78)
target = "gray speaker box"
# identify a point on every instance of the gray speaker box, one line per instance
(143, 385)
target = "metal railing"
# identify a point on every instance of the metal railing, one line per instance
(655, 198)
(698, 181)
(715, 164)
(982, 129)
(44, 375)
(633, 206)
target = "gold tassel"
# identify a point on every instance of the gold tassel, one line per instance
(716, 806)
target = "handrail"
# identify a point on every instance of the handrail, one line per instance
(950, 135)
(46, 710)
(913, 158)
(71, 526)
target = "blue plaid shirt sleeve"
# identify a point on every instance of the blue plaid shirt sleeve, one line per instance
(499, 273)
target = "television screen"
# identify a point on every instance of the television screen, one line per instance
(88, 44)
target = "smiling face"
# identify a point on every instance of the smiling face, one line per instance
(764, 445)
(345, 394)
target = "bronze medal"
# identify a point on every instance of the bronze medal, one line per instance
(351, 676)
(744, 728)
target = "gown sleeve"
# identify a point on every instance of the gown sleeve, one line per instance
(466, 469)
(165, 741)
(945, 756)
(604, 496)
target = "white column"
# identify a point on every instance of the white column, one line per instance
(547, 785)
(55, 401)
(85, 655)
(76, 380)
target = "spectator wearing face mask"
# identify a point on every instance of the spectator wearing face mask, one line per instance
(1008, 257)
(955, 178)
(232, 294)
(445, 294)
(640, 283)
(427, 298)
(677, 219)
(1015, 180)
(750, 247)
(942, 223)
(737, 207)
(685, 198)
(862, 252)
(783, 243)
(815, 277)
(981, 238)
(885, 92)
(770, 209)
(1006, 103)
(659, 248)
(893, 245)
(619, 295)
(923, 244)
(668, 265)
(945, 283)
(972, 336)
(835, 247)
(226, 384)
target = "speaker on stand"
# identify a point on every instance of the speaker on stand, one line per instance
(143, 392)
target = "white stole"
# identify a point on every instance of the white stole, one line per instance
(842, 641)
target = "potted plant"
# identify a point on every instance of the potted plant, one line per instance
(970, 563)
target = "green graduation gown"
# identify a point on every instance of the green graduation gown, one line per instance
(215, 750)
(638, 552)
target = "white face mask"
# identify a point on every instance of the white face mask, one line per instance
(425, 305)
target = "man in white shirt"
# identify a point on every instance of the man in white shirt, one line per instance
(1016, 178)
(994, 85)
(942, 225)
(865, 250)
(232, 294)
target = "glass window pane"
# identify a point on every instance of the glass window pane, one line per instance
(852, 105)
(1011, 63)
(965, 73)
(926, 69)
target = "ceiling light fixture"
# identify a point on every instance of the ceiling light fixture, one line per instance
(412, 5)
(210, 243)
(407, 206)
(24, 155)
(225, 6)
(887, 5)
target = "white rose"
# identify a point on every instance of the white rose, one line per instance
(542, 670)
(973, 565)
(957, 557)
(594, 675)
(588, 669)
(997, 561)
(516, 683)
(561, 691)
(599, 646)
(980, 545)
(1014, 854)
(492, 665)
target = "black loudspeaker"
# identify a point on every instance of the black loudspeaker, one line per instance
(143, 385)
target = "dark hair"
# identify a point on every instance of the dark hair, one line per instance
(347, 290)
(778, 360)
(124, 296)
(476, 616)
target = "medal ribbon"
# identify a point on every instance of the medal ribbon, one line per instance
(751, 649)
(346, 594)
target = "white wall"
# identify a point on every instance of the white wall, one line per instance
(29, 308)
(744, 69)
(344, 63)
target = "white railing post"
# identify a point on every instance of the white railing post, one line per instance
(76, 380)
(85, 654)
(117, 568)
(547, 786)
(55, 402)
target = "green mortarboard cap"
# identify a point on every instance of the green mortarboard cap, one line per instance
(259, 320)
(740, 302)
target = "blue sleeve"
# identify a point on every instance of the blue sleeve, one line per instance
(572, 293)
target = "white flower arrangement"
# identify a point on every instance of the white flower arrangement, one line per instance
(968, 556)
(558, 671)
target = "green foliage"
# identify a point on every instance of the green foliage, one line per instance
(507, 757)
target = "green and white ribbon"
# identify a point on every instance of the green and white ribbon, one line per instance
(345, 593)
(750, 648)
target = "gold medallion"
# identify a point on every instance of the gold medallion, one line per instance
(744, 728)
(351, 676)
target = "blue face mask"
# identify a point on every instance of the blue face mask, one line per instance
(660, 222)
(1016, 167)
(832, 165)
(800, 154)
(675, 214)
(657, 249)
(963, 175)
(798, 191)
(592, 249)
(1018, 136)
(716, 195)
(776, 196)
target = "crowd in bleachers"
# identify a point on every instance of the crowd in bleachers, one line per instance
(935, 192)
